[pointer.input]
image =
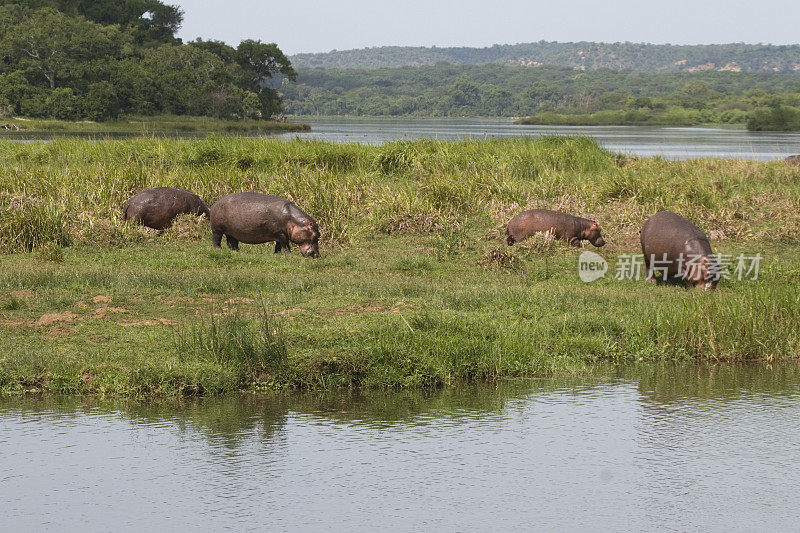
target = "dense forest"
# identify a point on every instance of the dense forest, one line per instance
(97, 59)
(548, 92)
(735, 57)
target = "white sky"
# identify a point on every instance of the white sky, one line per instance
(320, 26)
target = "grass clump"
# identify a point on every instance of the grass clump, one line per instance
(256, 352)
(27, 224)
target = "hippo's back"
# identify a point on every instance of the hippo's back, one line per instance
(538, 220)
(157, 207)
(669, 233)
(251, 217)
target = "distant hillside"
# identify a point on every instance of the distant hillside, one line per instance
(512, 91)
(736, 57)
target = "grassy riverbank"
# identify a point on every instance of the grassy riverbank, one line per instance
(144, 125)
(415, 287)
(676, 116)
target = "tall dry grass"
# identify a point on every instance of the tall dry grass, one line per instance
(72, 190)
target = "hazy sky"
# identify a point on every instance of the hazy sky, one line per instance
(320, 26)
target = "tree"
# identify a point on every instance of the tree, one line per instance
(51, 43)
(186, 79)
(259, 63)
(149, 21)
(224, 51)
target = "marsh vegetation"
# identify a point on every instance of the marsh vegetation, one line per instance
(414, 287)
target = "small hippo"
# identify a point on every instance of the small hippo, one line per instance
(623, 161)
(793, 160)
(566, 227)
(157, 208)
(254, 218)
(679, 249)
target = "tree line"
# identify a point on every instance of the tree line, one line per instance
(97, 59)
(508, 91)
(641, 57)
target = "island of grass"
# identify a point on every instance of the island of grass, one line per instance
(628, 117)
(776, 117)
(414, 288)
(146, 126)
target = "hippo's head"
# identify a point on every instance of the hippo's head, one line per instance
(305, 235)
(592, 234)
(702, 273)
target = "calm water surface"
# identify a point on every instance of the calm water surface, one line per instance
(667, 142)
(648, 449)
(643, 141)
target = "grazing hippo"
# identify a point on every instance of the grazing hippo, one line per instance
(623, 161)
(156, 208)
(793, 160)
(678, 249)
(566, 227)
(254, 218)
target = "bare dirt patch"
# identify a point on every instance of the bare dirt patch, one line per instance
(67, 317)
(24, 293)
(149, 322)
(239, 300)
(374, 306)
(103, 312)
(61, 330)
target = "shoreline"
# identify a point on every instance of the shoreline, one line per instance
(414, 289)
(144, 126)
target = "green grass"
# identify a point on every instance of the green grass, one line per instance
(671, 116)
(144, 125)
(414, 287)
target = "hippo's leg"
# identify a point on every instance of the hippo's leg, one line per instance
(277, 247)
(216, 238)
(649, 270)
(284, 244)
(574, 241)
(233, 244)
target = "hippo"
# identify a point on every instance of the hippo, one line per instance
(680, 250)
(564, 226)
(623, 161)
(157, 208)
(793, 160)
(254, 218)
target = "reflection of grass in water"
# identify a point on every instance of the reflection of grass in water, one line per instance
(414, 288)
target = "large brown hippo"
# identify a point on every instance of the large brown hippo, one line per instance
(679, 250)
(254, 218)
(157, 208)
(793, 160)
(564, 226)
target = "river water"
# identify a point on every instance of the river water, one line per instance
(642, 449)
(643, 141)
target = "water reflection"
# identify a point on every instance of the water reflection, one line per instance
(652, 447)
